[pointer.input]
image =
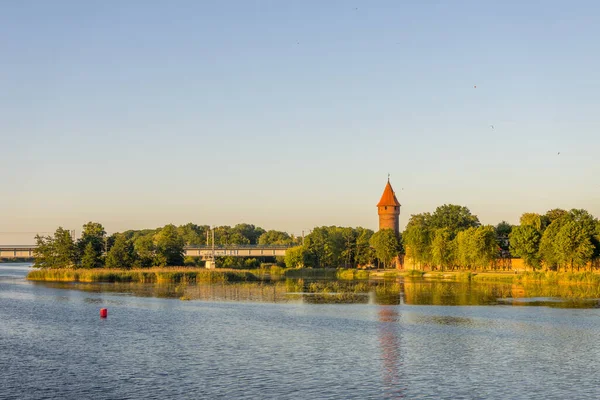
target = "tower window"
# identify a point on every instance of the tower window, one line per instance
(386, 207)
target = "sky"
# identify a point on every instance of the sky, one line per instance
(290, 115)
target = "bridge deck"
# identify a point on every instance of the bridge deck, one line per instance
(26, 251)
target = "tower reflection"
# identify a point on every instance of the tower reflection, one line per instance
(391, 354)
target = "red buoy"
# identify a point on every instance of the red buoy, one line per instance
(103, 313)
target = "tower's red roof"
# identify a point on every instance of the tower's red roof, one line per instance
(388, 198)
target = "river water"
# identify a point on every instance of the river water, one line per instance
(54, 345)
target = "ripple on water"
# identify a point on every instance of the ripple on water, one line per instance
(54, 345)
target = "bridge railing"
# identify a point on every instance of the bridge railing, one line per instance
(239, 246)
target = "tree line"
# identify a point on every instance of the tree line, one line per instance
(149, 247)
(453, 238)
(334, 246)
(449, 238)
(557, 239)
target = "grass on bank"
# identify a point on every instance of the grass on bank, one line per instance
(196, 275)
(538, 277)
(151, 275)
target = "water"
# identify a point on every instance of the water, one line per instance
(54, 345)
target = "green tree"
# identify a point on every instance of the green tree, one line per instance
(568, 238)
(225, 235)
(465, 248)
(555, 214)
(417, 239)
(348, 239)
(57, 251)
(315, 245)
(121, 254)
(485, 246)
(64, 249)
(328, 246)
(294, 257)
(145, 251)
(455, 218)
(89, 258)
(574, 245)
(539, 222)
(192, 234)
(275, 237)
(250, 232)
(92, 245)
(442, 248)
(548, 251)
(525, 243)
(503, 230)
(44, 254)
(168, 247)
(364, 253)
(386, 245)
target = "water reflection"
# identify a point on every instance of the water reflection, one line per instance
(394, 292)
(391, 355)
(552, 302)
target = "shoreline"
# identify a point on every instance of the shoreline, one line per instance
(201, 275)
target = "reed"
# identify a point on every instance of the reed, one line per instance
(548, 277)
(414, 273)
(152, 275)
(311, 273)
(493, 277)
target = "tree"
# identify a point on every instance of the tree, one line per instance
(121, 254)
(92, 244)
(574, 245)
(568, 238)
(348, 254)
(555, 214)
(294, 257)
(417, 239)
(548, 251)
(315, 245)
(225, 235)
(503, 230)
(539, 222)
(89, 258)
(64, 248)
(44, 254)
(485, 246)
(193, 234)
(589, 225)
(364, 253)
(249, 232)
(525, 243)
(442, 248)
(455, 218)
(168, 247)
(56, 251)
(144, 248)
(465, 248)
(386, 245)
(275, 237)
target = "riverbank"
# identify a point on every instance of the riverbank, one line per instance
(541, 277)
(199, 275)
(150, 275)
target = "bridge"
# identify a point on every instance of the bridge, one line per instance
(16, 251)
(206, 252)
(250, 250)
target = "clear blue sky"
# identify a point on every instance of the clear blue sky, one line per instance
(290, 115)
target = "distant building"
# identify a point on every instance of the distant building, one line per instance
(388, 209)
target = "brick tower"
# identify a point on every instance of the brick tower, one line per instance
(388, 209)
